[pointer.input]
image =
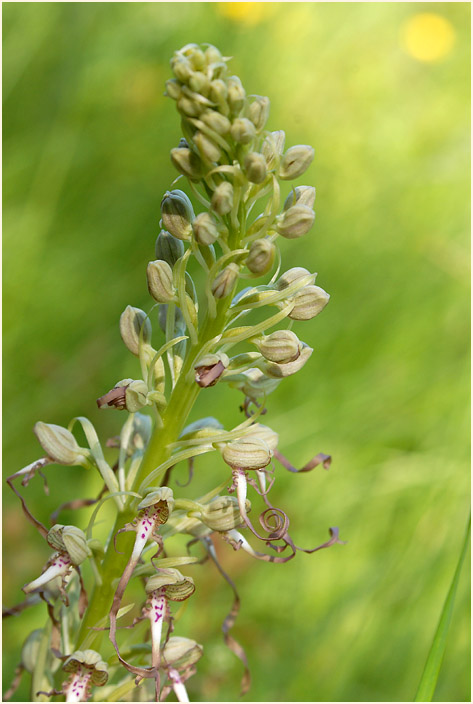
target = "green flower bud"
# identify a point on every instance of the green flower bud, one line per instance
(208, 150)
(199, 83)
(164, 496)
(59, 444)
(195, 55)
(88, 660)
(177, 214)
(259, 112)
(212, 55)
(168, 248)
(182, 652)
(133, 322)
(295, 222)
(236, 95)
(261, 256)
(290, 276)
(295, 161)
(222, 513)
(71, 540)
(255, 167)
(222, 199)
(281, 346)
(302, 195)
(242, 130)
(177, 587)
(225, 281)
(218, 94)
(273, 147)
(309, 302)
(205, 229)
(160, 284)
(181, 67)
(216, 121)
(30, 650)
(279, 371)
(173, 89)
(246, 454)
(189, 107)
(187, 163)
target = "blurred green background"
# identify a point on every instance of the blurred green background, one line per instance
(381, 90)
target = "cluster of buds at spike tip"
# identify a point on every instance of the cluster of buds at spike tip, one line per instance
(71, 548)
(87, 670)
(220, 122)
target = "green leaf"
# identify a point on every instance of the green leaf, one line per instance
(428, 682)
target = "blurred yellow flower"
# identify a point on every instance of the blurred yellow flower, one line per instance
(428, 36)
(247, 12)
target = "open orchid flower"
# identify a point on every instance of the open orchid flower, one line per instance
(72, 549)
(87, 669)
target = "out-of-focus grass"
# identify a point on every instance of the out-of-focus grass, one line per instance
(86, 140)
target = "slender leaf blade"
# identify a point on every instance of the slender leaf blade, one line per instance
(428, 682)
